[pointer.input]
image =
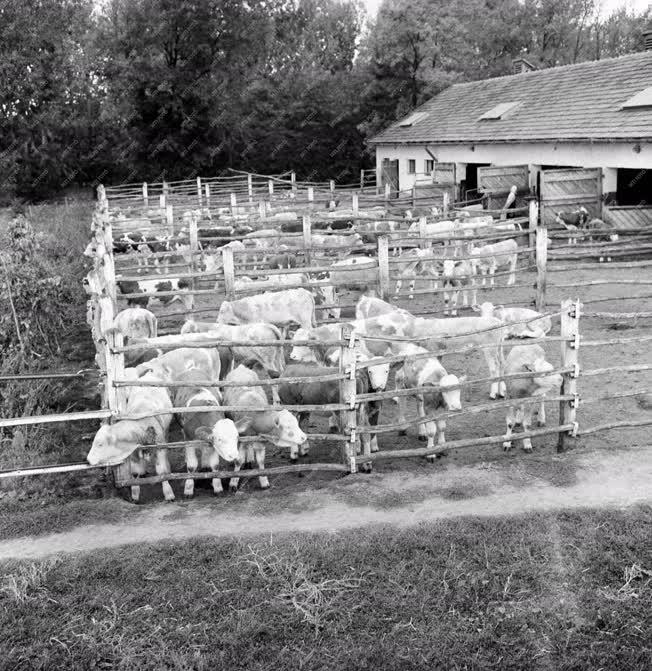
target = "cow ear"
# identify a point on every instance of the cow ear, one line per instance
(204, 433)
(243, 424)
(150, 436)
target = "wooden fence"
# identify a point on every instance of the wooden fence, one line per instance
(103, 305)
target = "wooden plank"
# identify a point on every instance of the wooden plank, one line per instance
(348, 395)
(383, 266)
(228, 267)
(541, 235)
(80, 416)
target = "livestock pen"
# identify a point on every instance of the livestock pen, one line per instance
(335, 453)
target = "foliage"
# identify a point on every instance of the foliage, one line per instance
(126, 90)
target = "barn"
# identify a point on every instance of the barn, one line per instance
(570, 135)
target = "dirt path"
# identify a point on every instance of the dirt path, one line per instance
(571, 481)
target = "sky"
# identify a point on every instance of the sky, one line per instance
(608, 6)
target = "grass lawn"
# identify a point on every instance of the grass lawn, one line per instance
(548, 591)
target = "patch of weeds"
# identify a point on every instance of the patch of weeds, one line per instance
(26, 583)
(461, 491)
(316, 602)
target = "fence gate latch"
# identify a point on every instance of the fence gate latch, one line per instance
(575, 402)
(575, 343)
(576, 370)
(575, 430)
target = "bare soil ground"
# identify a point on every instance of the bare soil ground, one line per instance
(584, 479)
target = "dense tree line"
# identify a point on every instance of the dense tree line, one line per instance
(129, 90)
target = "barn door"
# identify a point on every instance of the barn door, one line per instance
(389, 175)
(568, 189)
(495, 181)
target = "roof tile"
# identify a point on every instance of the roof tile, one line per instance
(562, 103)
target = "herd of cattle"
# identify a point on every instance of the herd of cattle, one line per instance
(341, 239)
(261, 384)
(383, 330)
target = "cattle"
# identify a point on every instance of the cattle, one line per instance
(114, 443)
(279, 427)
(147, 287)
(423, 374)
(270, 358)
(214, 262)
(537, 325)
(524, 359)
(135, 323)
(370, 230)
(281, 308)
(572, 221)
(458, 275)
(333, 242)
(354, 272)
(328, 392)
(489, 258)
(412, 262)
(601, 231)
(436, 335)
(211, 426)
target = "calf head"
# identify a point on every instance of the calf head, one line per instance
(545, 382)
(226, 315)
(223, 437)
(302, 353)
(286, 433)
(452, 397)
(108, 450)
(485, 309)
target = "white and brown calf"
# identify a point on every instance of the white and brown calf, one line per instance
(528, 359)
(425, 374)
(458, 275)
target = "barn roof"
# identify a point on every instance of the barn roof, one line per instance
(566, 103)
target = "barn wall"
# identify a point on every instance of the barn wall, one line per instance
(585, 155)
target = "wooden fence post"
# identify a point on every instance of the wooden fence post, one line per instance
(169, 219)
(262, 210)
(165, 193)
(414, 197)
(542, 260)
(348, 396)
(207, 194)
(199, 191)
(270, 188)
(387, 191)
(145, 196)
(533, 223)
(424, 242)
(354, 203)
(446, 203)
(311, 197)
(229, 272)
(194, 247)
(570, 316)
(307, 238)
(234, 204)
(250, 187)
(361, 179)
(161, 201)
(383, 266)
(293, 179)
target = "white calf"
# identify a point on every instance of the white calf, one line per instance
(456, 276)
(535, 328)
(497, 255)
(523, 359)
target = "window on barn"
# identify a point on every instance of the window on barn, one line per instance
(500, 111)
(412, 166)
(633, 186)
(412, 119)
(641, 99)
(429, 166)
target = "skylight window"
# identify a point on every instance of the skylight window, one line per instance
(500, 111)
(412, 119)
(641, 99)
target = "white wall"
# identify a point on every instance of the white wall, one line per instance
(581, 155)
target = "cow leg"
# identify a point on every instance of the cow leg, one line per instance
(138, 469)
(363, 421)
(259, 451)
(446, 302)
(334, 424)
(192, 464)
(401, 401)
(242, 458)
(511, 278)
(276, 399)
(490, 356)
(526, 412)
(373, 413)
(510, 421)
(421, 411)
(492, 270)
(162, 468)
(456, 295)
(541, 415)
(303, 418)
(439, 427)
(211, 459)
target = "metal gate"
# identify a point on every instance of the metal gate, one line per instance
(389, 175)
(569, 189)
(495, 181)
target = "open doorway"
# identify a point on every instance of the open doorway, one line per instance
(469, 186)
(634, 186)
